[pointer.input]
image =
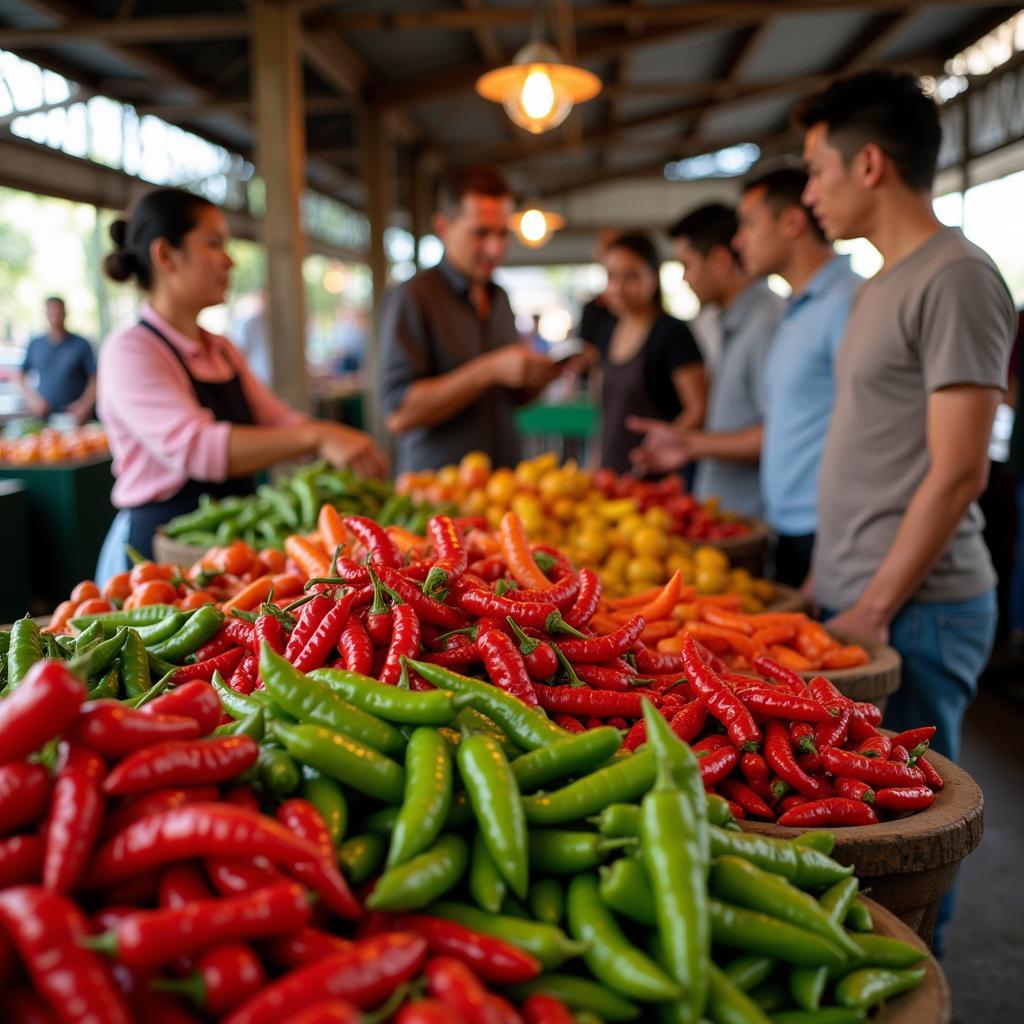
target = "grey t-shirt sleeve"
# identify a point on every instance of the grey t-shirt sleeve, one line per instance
(966, 328)
(758, 364)
(405, 351)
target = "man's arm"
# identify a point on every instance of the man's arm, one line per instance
(736, 446)
(959, 425)
(37, 405)
(691, 384)
(82, 406)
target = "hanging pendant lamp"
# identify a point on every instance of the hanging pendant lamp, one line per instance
(535, 226)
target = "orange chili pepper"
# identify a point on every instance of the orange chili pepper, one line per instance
(250, 596)
(685, 611)
(635, 600)
(332, 529)
(655, 631)
(731, 602)
(287, 584)
(673, 645)
(813, 641)
(604, 624)
(661, 607)
(118, 587)
(195, 599)
(851, 656)
(154, 591)
(237, 558)
(405, 540)
(791, 659)
(310, 559)
(764, 619)
(706, 633)
(727, 620)
(769, 635)
(272, 560)
(145, 571)
(515, 546)
(84, 591)
(62, 614)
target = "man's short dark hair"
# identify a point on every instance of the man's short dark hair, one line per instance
(55, 298)
(480, 179)
(706, 227)
(887, 108)
(784, 186)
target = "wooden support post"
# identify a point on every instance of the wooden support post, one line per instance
(378, 174)
(281, 161)
(421, 201)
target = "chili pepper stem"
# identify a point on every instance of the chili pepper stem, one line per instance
(105, 943)
(574, 680)
(527, 645)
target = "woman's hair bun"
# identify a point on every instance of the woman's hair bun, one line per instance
(119, 232)
(120, 265)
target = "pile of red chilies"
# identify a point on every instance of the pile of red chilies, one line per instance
(135, 869)
(777, 747)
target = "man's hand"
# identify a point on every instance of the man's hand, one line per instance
(350, 449)
(664, 447)
(516, 367)
(37, 405)
(80, 410)
(860, 623)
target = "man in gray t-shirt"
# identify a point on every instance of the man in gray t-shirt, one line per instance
(920, 371)
(452, 368)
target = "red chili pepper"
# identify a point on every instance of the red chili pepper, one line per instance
(426, 608)
(853, 789)
(604, 648)
(451, 554)
(44, 704)
(505, 666)
(779, 755)
(870, 769)
(604, 678)
(931, 776)
(587, 599)
(791, 800)
(24, 793)
(198, 830)
(375, 539)
(866, 712)
(458, 656)
(825, 692)
(721, 702)
(542, 1009)
(562, 592)
(428, 1011)
(182, 884)
(801, 735)
(239, 631)
(45, 929)
(225, 664)
(489, 569)
(742, 794)
(904, 798)
(810, 763)
(350, 572)
(75, 814)
(648, 661)
(21, 860)
(224, 976)
(911, 739)
(405, 642)
(268, 630)
(365, 975)
(146, 804)
(306, 946)
(310, 617)
(197, 700)
(217, 645)
(835, 810)
(490, 959)
(774, 704)
(689, 721)
(877, 745)
(754, 769)
(151, 938)
(322, 875)
(771, 669)
(25, 1007)
(183, 763)
(457, 986)
(235, 876)
(378, 616)
(582, 700)
(858, 732)
(246, 676)
(325, 636)
(112, 729)
(636, 736)
(715, 765)
(158, 1008)
(355, 647)
(713, 742)
(569, 722)
(484, 604)
(329, 1011)
(833, 732)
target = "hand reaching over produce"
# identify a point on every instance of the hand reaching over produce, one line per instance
(663, 449)
(346, 448)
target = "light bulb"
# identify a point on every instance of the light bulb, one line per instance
(533, 226)
(538, 94)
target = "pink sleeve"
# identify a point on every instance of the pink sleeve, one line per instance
(267, 409)
(145, 394)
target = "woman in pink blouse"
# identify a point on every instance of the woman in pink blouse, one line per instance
(184, 414)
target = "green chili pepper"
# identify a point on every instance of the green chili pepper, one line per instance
(624, 780)
(676, 872)
(158, 667)
(803, 866)
(526, 727)
(494, 796)
(329, 799)
(617, 821)
(547, 900)
(277, 771)
(428, 795)
(550, 945)
(200, 627)
(146, 615)
(727, 1002)
(430, 707)
(869, 986)
(486, 885)
(147, 695)
(758, 933)
(737, 881)
(106, 688)
(253, 725)
(134, 667)
(611, 958)
(559, 852)
(422, 879)
(25, 650)
(827, 1015)
(100, 656)
(513, 908)
(236, 704)
(770, 996)
(471, 720)
(51, 649)
(342, 758)
(858, 917)
(579, 994)
(882, 951)
(164, 628)
(624, 887)
(823, 842)
(564, 758)
(309, 501)
(807, 984)
(747, 971)
(309, 701)
(87, 639)
(283, 503)
(361, 857)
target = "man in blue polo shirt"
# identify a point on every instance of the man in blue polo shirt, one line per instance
(64, 366)
(777, 235)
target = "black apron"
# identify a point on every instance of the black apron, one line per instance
(227, 402)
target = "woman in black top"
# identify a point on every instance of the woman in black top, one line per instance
(650, 364)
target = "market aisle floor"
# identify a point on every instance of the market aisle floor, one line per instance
(984, 958)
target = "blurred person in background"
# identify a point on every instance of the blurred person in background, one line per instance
(453, 367)
(63, 369)
(595, 317)
(778, 235)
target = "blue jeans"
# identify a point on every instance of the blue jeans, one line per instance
(944, 647)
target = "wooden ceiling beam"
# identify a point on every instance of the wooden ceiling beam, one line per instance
(131, 30)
